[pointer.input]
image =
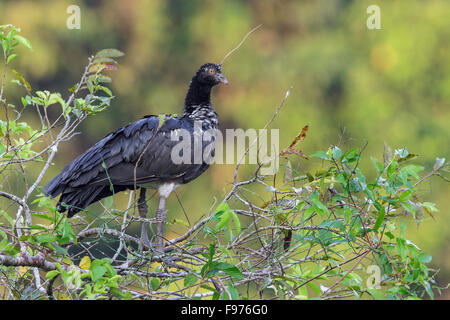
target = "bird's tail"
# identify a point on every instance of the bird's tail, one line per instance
(78, 199)
(54, 187)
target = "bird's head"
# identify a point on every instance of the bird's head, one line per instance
(210, 74)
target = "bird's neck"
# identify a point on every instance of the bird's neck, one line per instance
(198, 96)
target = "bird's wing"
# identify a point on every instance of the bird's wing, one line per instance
(140, 150)
(119, 146)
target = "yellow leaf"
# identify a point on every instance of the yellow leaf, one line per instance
(85, 263)
(22, 80)
(22, 270)
(179, 221)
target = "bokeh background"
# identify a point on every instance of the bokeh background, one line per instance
(389, 85)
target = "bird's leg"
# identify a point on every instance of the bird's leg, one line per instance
(161, 218)
(143, 208)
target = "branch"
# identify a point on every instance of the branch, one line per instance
(27, 260)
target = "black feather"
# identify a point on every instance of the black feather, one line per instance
(143, 147)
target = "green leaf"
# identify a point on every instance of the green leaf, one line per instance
(234, 293)
(391, 169)
(236, 221)
(46, 237)
(51, 274)
(351, 155)
(319, 207)
(222, 207)
(90, 85)
(229, 269)
(320, 154)
(315, 287)
(180, 222)
(104, 79)
(104, 60)
(439, 163)
(211, 251)
(225, 251)
(428, 289)
(302, 293)
(362, 179)
(378, 165)
(413, 170)
(347, 215)
(406, 195)
(337, 152)
(377, 294)
(190, 280)
(154, 283)
(109, 53)
(97, 270)
(424, 258)
(332, 224)
(402, 153)
(106, 90)
(224, 218)
(161, 118)
(223, 215)
(60, 250)
(11, 58)
(67, 233)
(108, 202)
(380, 217)
(325, 236)
(21, 80)
(401, 248)
(23, 41)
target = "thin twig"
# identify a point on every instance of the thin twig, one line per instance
(240, 43)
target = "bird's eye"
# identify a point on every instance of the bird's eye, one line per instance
(211, 71)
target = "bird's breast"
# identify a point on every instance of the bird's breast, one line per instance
(165, 189)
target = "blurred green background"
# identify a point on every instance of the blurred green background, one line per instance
(390, 85)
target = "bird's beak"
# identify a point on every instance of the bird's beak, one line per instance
(222, 78)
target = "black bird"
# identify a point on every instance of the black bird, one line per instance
(140, 155)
